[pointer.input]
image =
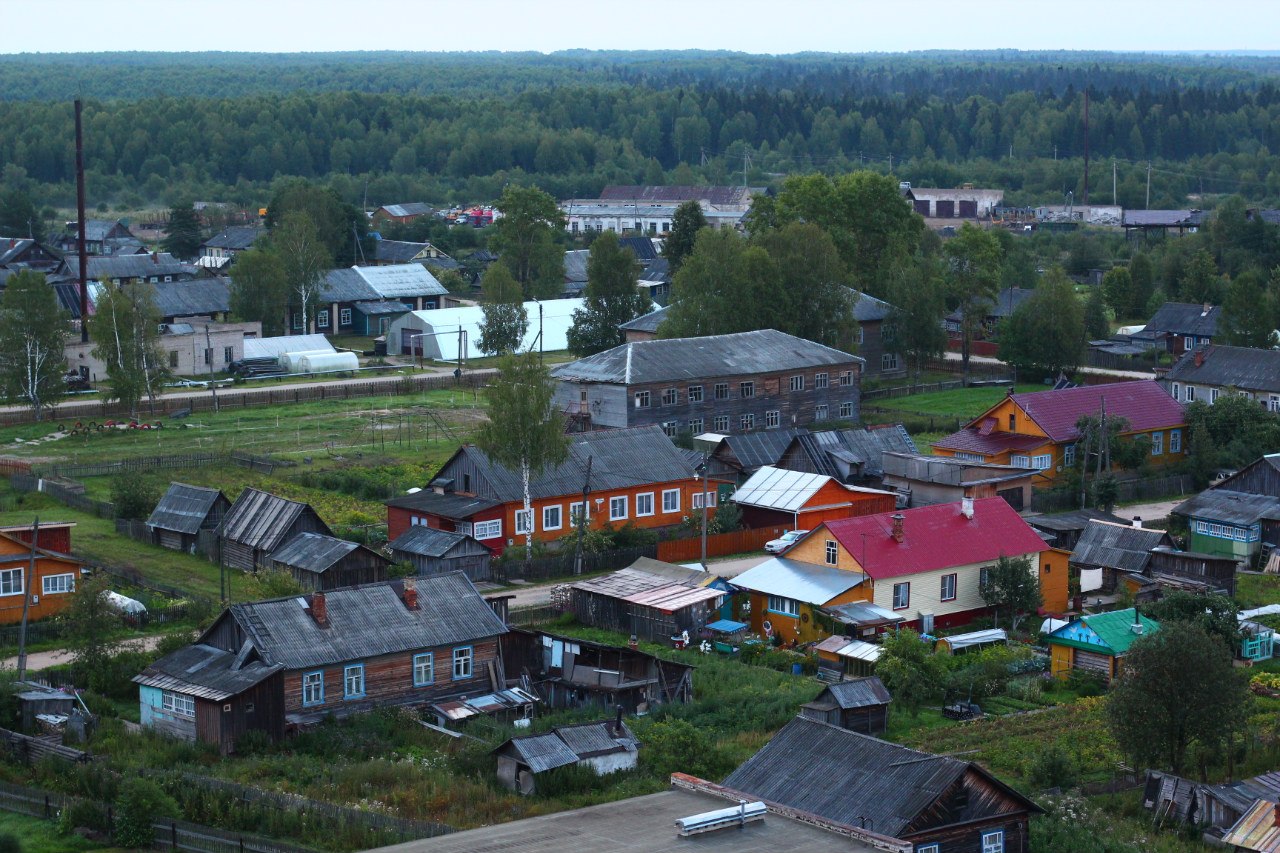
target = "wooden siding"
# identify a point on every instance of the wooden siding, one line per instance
(260, 708)
(16, 556)
(803, 627)
(240, 556)
(359, 567)
(1053, 579)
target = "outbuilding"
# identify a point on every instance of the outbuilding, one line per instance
(861, 705)
(1097, 642)
(606, 747)
(774, 496)
(258, 523)
(183, 513)
(431, 551)
(319, 562)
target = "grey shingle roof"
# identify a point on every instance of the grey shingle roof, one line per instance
(743, 353)
(755, 449)
(204, 672)
(399, 251)
(646, 323)
(543, 752)
(426, 541)
(368, 621)
(104, 267)
(1185, 318)
(1238, 367)
(1117, 546)
(1230, 507)
(184, 508)
(859, 693)
(11, 248)
(575, 265)
(235, 237)
(868, 309)
(192, 298)
(260, 519)
(313, 552)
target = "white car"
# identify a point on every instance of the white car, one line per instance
(783, 542)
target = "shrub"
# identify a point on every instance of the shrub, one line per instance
(134, 496)
(1052, 767)
(1026, 689)
(83, 814)
(140, 804)
(1084, 683)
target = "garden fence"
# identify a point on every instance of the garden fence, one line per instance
(561, 565)
(718, 544)
(1127, 491)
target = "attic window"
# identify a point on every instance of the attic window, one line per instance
(1013, 422)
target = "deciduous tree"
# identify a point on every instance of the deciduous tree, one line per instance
(910, 669)
(814, 303)
(973, 267)
(527, 240)
(341, 228)
(1117, 285)
(612, 297)
(914, 326)
(296, 241)
(125, 332)
(33, 335)
(90, 623)
(1011, 587)
(260, 290)
(685, 225)
(725, 286)
(1096, 326)
(505, 319)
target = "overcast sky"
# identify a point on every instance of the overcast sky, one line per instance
(754, 26)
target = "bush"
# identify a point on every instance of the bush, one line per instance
(133, 496)
(140, 804)
(1053, 767)
(1084, 683)
(83, 814)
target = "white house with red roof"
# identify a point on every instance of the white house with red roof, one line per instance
(1038, 430)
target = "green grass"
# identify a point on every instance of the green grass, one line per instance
(41, 836)
(963, 403)
(1257, 590)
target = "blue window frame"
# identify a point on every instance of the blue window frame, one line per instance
(462, 662)
(313, 688)
(353, 681)
(424, 669)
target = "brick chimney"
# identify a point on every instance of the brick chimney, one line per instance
(898, 533)
(155, 258)
(410, 593)
(319, 610)
(1199, 357)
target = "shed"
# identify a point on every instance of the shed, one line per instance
(774, 496)
(183, 512)
(38, 700)
(320, 562)
(861, 705)
(431, 551)
(842, 657)
(258, 523)
(649, 606)
(606, 747)
(1097, 642)
(974, 640)
(1105, 551)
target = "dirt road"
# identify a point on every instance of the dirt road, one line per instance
(1101, 371)
(42, 660)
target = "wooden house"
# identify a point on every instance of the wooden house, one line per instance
(258, 523)
(183, 513)
(1240, 516)
(431, 551)
(1180, 327)
(46, 591)
(651, 606)
(922, 480)
(1106, 552)
(320, 562)
(1213, 370)
(1063, 530)
(1097, 642)
(414, 642)
(775, 497)
(606, 747)
(853, 456)
(1038, 431)
(934, 802)
(860, 705)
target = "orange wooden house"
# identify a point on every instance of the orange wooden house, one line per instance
(53, 580)
(802, 501)
(1038, 430)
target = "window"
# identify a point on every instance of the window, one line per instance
(178, 703)
(551, 518)
(524, 521)
(833, 552)
(1157, 443)
(820, 380)
(1020, 460)
(1042, 461)
(722, 391)
(1069, 455)
(984, 575)
(889, 361)
(644, 504)
(846, 411)
(353, 681)
(54, 584)
(313, 688)
(846, 379)
(173, 359)
(424, 669)
(1177, 391)
(821, 413)
(785, 606)
(862, 337)
(927, 848)
(695, 393)
(11, 581)
(617, 507)
(671, 428)
(1188, 343)
(748, 422)
(970, 457)
(344, 317)
(488, 529)
(297, 321)
(722, 423)
(322, 319)
(797, 383)
(993, 842)
(746, 389)
(462, 663)
(696, 425)
(1175, 441)
(463, 527)
(642, 399)
(1213, 396)
(948, 592)
(670, 397)
(208, 356)
(228, 355)
(1190, 393)
(576, 514)
(901, 596)
(1013, 423)
(710, 499)
(670, 500)
(772, 420)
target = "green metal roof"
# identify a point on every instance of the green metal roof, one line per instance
(1115, 628)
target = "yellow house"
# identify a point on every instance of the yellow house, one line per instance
(1038, 430)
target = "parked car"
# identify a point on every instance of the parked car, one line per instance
(783, 542)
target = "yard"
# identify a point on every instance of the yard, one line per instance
(961, 403)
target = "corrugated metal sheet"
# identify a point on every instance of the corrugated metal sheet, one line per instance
(205, 672)
(346, 285)
(401, 280)
(543, 752)
(183, 508)
(672, 597)
(805, 582)
(1229, 507)
(281, 344)
(312, 552)
(754, 449)
(590, 739)
(235, 237)
(1257, 829)
(259, 519)
(859, 693)
(864, 613)
(368, 621)
(106, 267)
(777, 488)
(647, 323)
(1117, 546)
(426, 541)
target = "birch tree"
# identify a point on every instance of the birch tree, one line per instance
(126, 332)
(33, 333)
(523, 432)
(306, 259)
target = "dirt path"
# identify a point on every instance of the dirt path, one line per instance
(1101, 371)
(43, 660)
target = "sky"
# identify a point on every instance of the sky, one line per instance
(752, 26)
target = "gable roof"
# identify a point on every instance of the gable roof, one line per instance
(1117, 546)
(1006, 302)
(1114, 629)
(859, 693)
(807, 582)
(402, 251)
(193, 298)
(1185, 318)
(409, 208)
(854, 778)
(260, 519)
(646, 322)
(184, 508)
(575, 265)
(1143, 403)
(868, 309)
(373, 284)
(366, 621)
(1238, 367)
(315, 552)
(754, 449)
(235, 237)
(1230, 507)
(742, 353)
(934, 537)
(103, 267)
(205, 672)
(783, 490)
(863, 447)
(636, 586)
(427, 541)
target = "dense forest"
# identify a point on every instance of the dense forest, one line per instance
(390, 127)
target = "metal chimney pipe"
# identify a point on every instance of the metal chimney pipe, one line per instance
(80, 238)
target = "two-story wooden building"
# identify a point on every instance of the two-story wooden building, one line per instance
(1038, 430)
(47, 590)
(637, 477)
(741, 382)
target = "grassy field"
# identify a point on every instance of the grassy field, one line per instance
(1257, 590)
(964, 403)
(41, 836)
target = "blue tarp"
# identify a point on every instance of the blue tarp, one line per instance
(726, 626)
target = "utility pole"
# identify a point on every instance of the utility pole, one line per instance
(213, 386)
(1086, 146)
(81, 251)
(1113, 181)
(1148, 207)
(582, 518)
(705, 465)
(26, 600)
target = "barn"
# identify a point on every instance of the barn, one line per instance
(258, 523)
(320, 562)
(431, 551)
(183, 512)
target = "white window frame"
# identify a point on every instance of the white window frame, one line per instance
(746, 390)
(670, 500)
(889, 361)
(641, 500)
(783, 606)
(670, 397)
(1157, 443)
(1069, 456)
(720, 391)
(353, 681)
(559, 517)
(993, 842)
(524, 522)
(1188, 344)
(722, 423)
(694, 394)
(696, 426)
(797, 382)
(670, 428)
(463, 663)
(576, 510)
(1175, 441)
(1177, 391)
(772, 419)
(846, 378)
(928, 848)
(821, 381)
(491, 529)
(970, 457)
(747, 422)
(905, 586)
(178, 703)
(954, 584)
(1020, 460)
(424, 669)
(322, 318)
(642, 399)
(1041, 461)
(615, 503)
(698, 498)
(822, 412)
(1189, 393)
(344, 317)
(57, 584)
(11, 581)
(846, 411)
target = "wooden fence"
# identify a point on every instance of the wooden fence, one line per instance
(718, 544)
(561, 565)
(174, 462)
(1127, 491)
(29, 749)
(63, 494)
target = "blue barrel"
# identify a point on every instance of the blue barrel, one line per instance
(796, 668)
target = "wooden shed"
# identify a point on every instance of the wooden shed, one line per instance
(431, 551)
(606, 747)
(258, 523)
(649, 606)
(1097, 642)
(861, 705)
(320, 562)
(183, 512)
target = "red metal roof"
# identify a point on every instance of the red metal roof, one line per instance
(935, 537)
(970, 440)
(1143, 403)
